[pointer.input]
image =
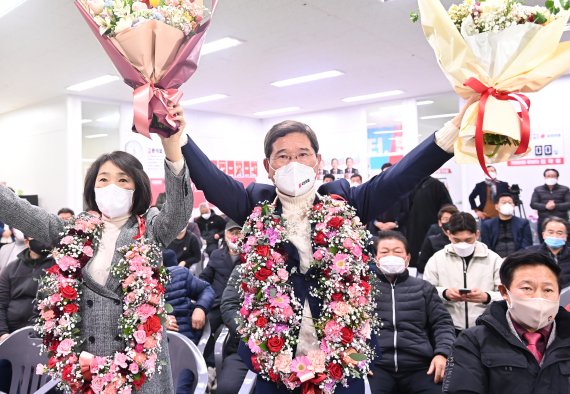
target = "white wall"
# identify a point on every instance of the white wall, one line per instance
(41, 144)
(34, 148)
(341, 133)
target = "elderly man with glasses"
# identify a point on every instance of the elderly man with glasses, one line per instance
(291, 160)
(555, 235)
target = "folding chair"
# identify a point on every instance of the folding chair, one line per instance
(206, 332)
(184, 354)
(23, 352)
(219, 349)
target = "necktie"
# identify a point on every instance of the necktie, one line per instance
(532, 339)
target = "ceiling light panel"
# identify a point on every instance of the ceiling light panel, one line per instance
(92, 83)
(372, 96)
(307, 78)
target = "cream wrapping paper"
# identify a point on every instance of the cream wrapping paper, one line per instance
(537, 59)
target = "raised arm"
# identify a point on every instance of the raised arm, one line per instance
(30, 219)
(383, 190)
(177, 209)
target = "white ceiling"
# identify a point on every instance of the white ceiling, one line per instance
(46, 46)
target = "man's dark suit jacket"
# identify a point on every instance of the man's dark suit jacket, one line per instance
(369, 199)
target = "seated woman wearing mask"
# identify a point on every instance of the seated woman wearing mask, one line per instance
(417, 331)
(102, 252)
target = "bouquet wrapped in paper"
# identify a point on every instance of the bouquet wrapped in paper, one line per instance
(497, 49)
(155, 45)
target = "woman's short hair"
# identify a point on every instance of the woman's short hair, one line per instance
(287, 127)
(142, 196)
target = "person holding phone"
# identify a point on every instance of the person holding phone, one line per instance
(465, 272)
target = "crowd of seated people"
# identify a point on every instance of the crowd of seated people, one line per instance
(475, 310)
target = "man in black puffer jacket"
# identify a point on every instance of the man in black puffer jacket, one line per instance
(417, 331)
(520, 345)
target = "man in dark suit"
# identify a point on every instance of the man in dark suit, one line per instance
(487, 191)
(291, 160)
(506, 233)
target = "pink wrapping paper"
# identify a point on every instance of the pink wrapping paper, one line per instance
(154, 75)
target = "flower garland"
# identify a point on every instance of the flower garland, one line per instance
(143, 286)
(271, 314)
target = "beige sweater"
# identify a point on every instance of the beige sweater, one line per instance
(100, 267)
(295, 212)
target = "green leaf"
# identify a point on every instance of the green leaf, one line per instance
(358, 357)
(263, 346)
(539, 18)
(168, 308)
(414, 16)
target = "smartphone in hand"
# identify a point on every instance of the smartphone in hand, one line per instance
(464, 291)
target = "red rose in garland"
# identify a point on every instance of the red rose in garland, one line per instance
(274, 344)
(68, 292)
(139, 382)
(261, 322)
(153, 325)
(263, 274)
(337, 297)
(335, 371)
(70, 308)
(346, 335)
(335, 222)
(262, 250)
(320, 239)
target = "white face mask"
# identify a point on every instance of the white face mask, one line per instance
(392, 265)
(507, 209)
(463, 249)
(534, 313)
(550, 181)
(206, 216)
(114, 201)
(294, 179)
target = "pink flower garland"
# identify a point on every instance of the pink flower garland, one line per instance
(271, 314)
(143, 287)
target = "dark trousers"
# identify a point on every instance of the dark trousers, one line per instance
(232, 375)
(215, 319)
(211, 247)
(402, 382)
(355, 386)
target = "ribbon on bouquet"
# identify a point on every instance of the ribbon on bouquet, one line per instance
(141, 102)
(485, 92)
(85, 359)
(312, 386)
(141, 228)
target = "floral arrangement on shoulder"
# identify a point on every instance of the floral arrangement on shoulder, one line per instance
(496, 50)
(143, 284)
(271, 314)
(115, 16)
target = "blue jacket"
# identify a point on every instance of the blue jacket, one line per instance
(521, 232)
(186, 292)
(369, 199)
